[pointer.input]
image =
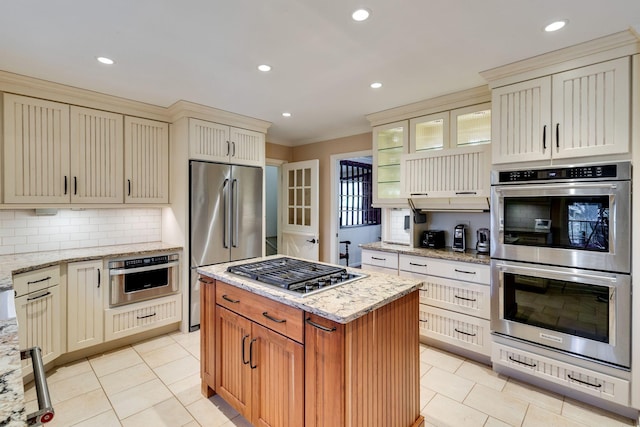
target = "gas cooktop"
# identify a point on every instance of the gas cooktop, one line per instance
(296, 276)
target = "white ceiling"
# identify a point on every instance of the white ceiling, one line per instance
(206, 51)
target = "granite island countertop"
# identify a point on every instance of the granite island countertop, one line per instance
(447, 253)
(341, 304)
(12, 405)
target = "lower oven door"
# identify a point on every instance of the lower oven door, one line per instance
(583, 312)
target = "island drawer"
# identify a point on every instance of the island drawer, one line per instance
(286, 320)
(36, 280)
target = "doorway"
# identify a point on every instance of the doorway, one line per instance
(352, 218)
(271, 174)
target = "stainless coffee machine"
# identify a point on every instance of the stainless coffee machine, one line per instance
(482, 245)
(460, 238)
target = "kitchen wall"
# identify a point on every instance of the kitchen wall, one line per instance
(448, 220)
(23, 231)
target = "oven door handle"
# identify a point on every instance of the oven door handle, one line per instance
(516, 189)
(123, 271)
(551, 274)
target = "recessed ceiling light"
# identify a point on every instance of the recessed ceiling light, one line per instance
(555, 26)
(105, 60)
(376, 85)
(264, 67)
(360, 15)
(286, 114)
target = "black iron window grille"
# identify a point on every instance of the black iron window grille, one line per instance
(356, 195)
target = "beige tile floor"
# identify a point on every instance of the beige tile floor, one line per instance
(156, 383)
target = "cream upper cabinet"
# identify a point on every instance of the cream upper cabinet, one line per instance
(429, 132)
(390, 142)
(36, 151)
(96, 156)
(471, 125)
(221, 143)
(85, 304)
(146, 161)
(577, 113)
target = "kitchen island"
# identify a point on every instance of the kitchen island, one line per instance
(347, 356)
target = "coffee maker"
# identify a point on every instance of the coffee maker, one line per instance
(482, 245)
(460, 238)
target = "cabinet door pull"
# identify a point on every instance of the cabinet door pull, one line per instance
(251, 354)
(322, 328)
(147, 316)
(75, 185)
(417, 265)
(583, 382)
(233, 145)
(557, 135)
(98, 278)
(39, 280)
(65, 184)
(129, 187)
(462, 193)
(273, 319)
(463, 332)
(378, 259)
(233, 301)
(466, 299)
(464, 271)
(531, 365)
(39, 296)
(244, 338)
(206, 282)
(228, 147)
(544, 137)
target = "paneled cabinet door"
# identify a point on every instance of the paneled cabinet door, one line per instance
(591, 110)
(96, 156)
(146, 156)
(36, 150)
(390, 142)
(209, 141)
(521, 121)
(40, 323)
(85, 304)
(247, 147)
(277, 379)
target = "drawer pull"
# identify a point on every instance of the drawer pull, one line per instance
(464, 271)
(145, 317)
(205, 281)
(531, 365)
(251, 354)
(232, 301)
(39, 296)
(464, 193)
(418, 265)
(244, 338)
(378, 259)
(423, 321)
(322, 328)
(463, 332)
(583, 382)
(39, 280)
(466, 299)
(273, 319)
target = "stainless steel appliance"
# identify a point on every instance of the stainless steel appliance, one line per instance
(296, 276)
(433, 239)
(460, 238)
(576, 216)
(139, 279)
(561, 256)
(226, 218)
(482, 242)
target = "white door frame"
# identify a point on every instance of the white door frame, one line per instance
(277, 163)
(334, 159)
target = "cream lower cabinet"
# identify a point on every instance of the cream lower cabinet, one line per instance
(85, 304)
(38, 310)
(379, 261)
(142, 316)
(454, 301)
(222, 143)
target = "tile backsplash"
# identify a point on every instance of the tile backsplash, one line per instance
(23, 231)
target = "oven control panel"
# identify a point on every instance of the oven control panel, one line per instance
(560, 173)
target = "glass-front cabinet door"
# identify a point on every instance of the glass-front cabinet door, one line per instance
(429, 132)
(471, 125)
(389, 143)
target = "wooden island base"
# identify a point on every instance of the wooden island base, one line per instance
(363, 373)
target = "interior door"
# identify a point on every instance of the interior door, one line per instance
(300, 226)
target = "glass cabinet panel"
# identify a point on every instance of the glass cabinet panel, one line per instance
(390, 142)
(430, 132)
(472, 125)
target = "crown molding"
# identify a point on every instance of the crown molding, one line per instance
(617, 45)
(185, 109)
(464, 98)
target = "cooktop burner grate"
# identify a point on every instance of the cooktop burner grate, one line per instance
(285, 272)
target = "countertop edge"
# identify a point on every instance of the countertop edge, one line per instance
(448, 254)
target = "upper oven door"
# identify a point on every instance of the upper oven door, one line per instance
(582, 225)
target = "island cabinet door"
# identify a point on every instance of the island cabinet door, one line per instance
(324, 372)
(277, 379)
(207, 334)
(233, 370)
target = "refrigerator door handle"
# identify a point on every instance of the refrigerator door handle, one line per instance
(235, 219)
(226, 207)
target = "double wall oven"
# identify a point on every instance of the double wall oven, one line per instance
(561, 258)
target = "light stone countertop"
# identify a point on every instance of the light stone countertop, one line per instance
(12, 405)
(447, 253)
(341, 304)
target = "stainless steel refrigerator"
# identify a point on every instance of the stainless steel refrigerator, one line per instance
(225, 220)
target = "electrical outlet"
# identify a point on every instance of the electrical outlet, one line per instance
(464, 221)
